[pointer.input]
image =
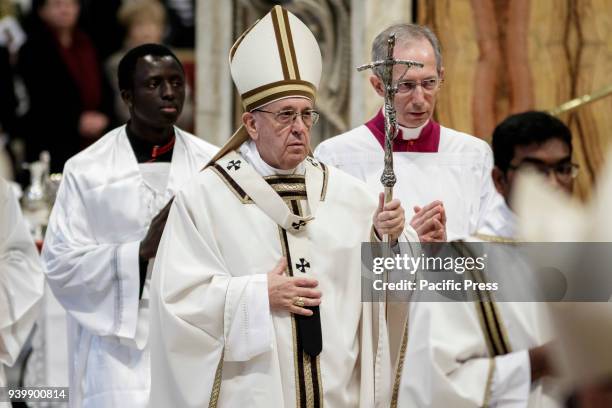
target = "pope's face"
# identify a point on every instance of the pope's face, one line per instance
(281, 146)
(415, 107)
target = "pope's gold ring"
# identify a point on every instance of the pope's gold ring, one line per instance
(299, 301)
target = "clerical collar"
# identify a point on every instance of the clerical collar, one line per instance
(411, 133)
(251, 154)
(424, 139)
(147, 152)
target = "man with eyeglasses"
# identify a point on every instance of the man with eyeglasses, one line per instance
(534, 140)
(257, 297)
(474, 354)
(443, 174)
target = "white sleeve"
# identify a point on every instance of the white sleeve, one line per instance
(201, 315)
(248, 318)
(446, 362)
(21, 278)
(323, 154)
(240, 303)
(511, 380)
(97, 284)
(490, 200)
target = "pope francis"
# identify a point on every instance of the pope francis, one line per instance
(257, 290)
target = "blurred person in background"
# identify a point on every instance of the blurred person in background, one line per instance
(528, 140)
(8, 105)
(98, 19)
(12, 38)
(181, 23)
(69, 104)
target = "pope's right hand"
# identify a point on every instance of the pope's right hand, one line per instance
(291, 293)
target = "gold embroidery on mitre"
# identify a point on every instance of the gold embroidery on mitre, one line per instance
(276, 90)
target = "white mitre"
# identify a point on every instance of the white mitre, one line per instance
(277, 57)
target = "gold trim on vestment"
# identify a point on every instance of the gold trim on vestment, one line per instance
(487, 396)
(491, 318)
(308, 380)
(294, 197)
(319, 380)
(483, 326)
(495, 332)
(502, 327)
(494, 319)
(491, 323)
(241, 195)
(295, 361)
(297, 178)
(287, 190)
(216, 389)
(400, 367)
(285, 251)
(309, 384)
(495, 238)
(325, 176)
(289, 187)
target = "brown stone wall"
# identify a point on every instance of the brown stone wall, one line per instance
(507, 56)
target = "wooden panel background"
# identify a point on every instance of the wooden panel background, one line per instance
(508, 56)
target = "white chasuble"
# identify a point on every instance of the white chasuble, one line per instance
(103, 210)
(21, 280)
(215, 341)
(436, 164)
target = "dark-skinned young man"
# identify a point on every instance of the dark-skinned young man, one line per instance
(106, 225)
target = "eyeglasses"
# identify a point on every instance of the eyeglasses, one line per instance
(564, 172)
(287, 117)
(428, 85)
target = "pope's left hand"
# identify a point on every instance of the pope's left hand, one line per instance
(389, 219)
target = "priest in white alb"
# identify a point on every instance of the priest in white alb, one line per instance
(21, 280)
(440, 171)
(473, 354)
(106, 225)
(256, 291)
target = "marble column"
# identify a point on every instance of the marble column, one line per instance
(368, 18)
(214, 88)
